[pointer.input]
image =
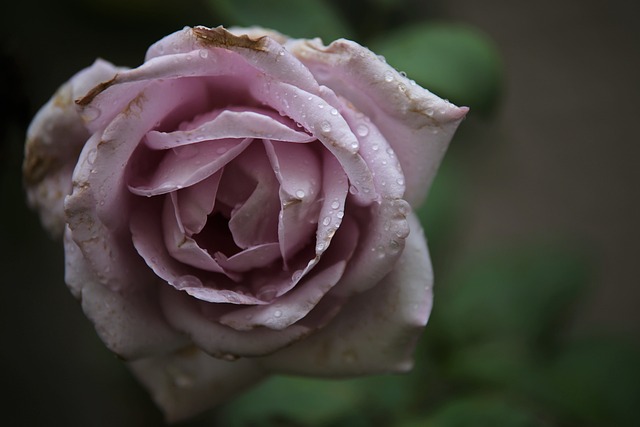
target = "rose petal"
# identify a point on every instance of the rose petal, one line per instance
(255, 257)
(298, 171)
(130, 324)
(229, 124)
(180, 246)
(183, 313)
(196, 202)
(417, 123)
(289, 308)
(187, 165)
(97, 209)
(315, 114)
(54, 140)
(375, 332)
(189, 381)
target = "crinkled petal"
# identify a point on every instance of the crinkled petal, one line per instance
(130, 323)
(418, 124)
(54, 140)
(188, 382)
(376, 331)
(229, 124)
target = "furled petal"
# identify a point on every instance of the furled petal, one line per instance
(319, 117)
(189, 381)
(229, 124)
(130, 323)
(289, 308)
(54, 140)
(254, 257)
(297, 169)
(376, 331)
(182, 247)
(334, 191)
(187, 165)
(183, 313)
(196, 202)
(417, 123)
(97, 209)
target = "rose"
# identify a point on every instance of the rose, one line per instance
(242, 195)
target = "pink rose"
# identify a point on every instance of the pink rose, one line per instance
(241, 204)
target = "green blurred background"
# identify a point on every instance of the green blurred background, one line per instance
(533, 220)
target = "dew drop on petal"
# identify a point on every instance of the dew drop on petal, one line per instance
(333, 112)
(277, 313)
(325, 126)
(326, 221)
(388, 76)
(189, 281)
(300, 194)
(340, 214)
(362, 130)
(91, 156)
(203, 53)
(335, 204)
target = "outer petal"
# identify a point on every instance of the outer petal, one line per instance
(417, 123)
(130, 324)
(188, 382)
(376, 331)
(54, 140)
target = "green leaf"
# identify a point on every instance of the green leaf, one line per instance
(308, 18)
(456, 62)
(477, 411)
(521, 294)
(596, 380)
(315, 402)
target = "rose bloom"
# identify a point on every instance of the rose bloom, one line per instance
(242, 204)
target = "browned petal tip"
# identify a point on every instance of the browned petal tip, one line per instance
(99, 88)
(220, 37)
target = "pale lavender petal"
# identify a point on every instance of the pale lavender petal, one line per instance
(188, 165)
(254, 257)
(54, 140)
(289, 308)
(318, 116)
(264, 53)
(381, 243)
(180, 246)
(334, 190)
(188, 382)
(196, 202)
(247, 227)
(387, 172)
(376, 331)
(97, 209)
(183, 313)
(229, 124)
(130, 323)
(417, 123)
(297, 169)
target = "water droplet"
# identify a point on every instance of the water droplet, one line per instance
(300, 194)
(402, 88)
(91, 156)
(353, 189)
(186, 151)
(296, 275)
(400, 181)
(362, 130)
(321, 106)
(189, 281)
(281, 53)
(91, 113)
(221, 150)
(310, 98)
(375, 147)
(333, 112)
(403, 74)
(388, 76)
(325, 126)
(277, 313)
(203, 53)
(382, 58)
(335, 204)
(320, 247)
(326, 221)
(340, 214)
(267, 293)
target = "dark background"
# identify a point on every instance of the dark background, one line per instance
(557, 159)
